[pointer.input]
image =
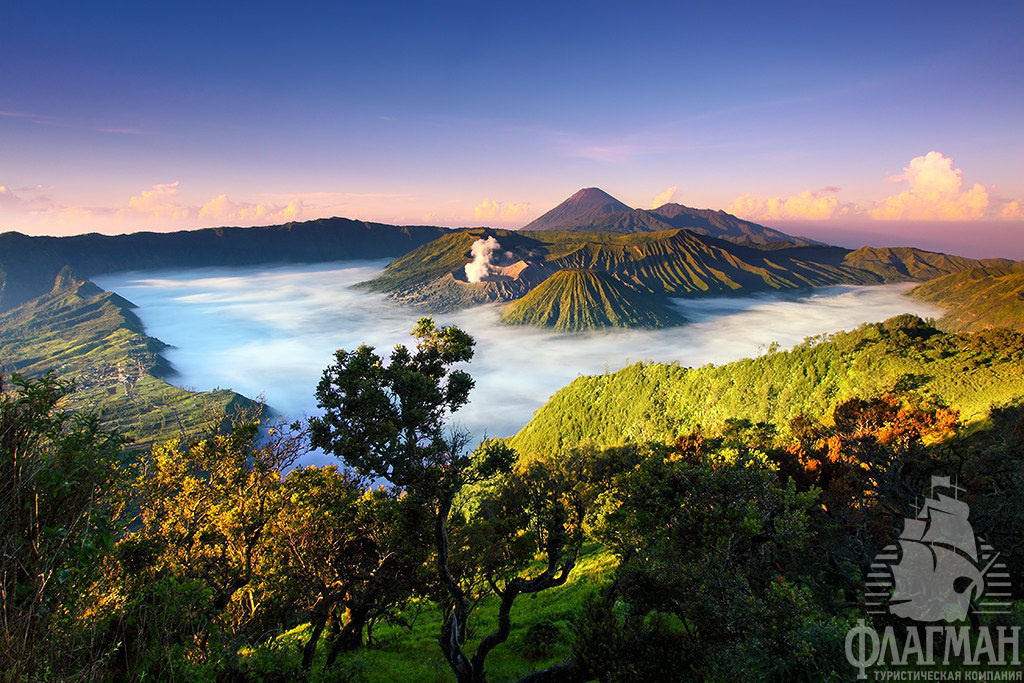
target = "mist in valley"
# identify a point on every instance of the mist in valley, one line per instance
(270, 332)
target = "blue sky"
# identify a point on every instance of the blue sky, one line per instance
(121, 116)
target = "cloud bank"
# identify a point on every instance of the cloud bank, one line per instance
(491, 210)
(934, 191)
(807, 205)
(272, 331)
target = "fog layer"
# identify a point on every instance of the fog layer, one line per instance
(271, 331)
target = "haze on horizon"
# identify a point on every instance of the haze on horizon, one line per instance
(887, 126)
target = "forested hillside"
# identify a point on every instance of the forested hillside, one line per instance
(85, 334)
(968, 372)
(737, 550)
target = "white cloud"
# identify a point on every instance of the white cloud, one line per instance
(491, 210)
(7, 197)
(807, 205)
(664, 197)
(160, 201)
(1012, 210)
(221, 208)
(934, 192)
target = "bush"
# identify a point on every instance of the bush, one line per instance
(541, 639)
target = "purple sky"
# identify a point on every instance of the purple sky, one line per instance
(894, 120)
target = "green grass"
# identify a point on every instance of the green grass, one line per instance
(413, 654)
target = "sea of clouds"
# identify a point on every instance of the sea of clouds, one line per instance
(271, 331)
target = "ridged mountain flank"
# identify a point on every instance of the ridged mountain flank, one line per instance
(979, 298)
(717, 223)
(577, 300)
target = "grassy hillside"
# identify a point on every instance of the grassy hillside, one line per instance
(411, 653)
(979, 298)
(82, 332)
(28, 265)
(574, 300)
(907, 263)
(656, 401)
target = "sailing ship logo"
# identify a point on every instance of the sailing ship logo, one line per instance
(940, 570)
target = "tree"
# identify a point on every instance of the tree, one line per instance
(57, 519)
(342, 554)
(388, 420)
(715, 572)
(182, 588)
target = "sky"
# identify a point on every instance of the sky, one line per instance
(872, 122)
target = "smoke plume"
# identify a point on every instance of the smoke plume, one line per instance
(480, 266)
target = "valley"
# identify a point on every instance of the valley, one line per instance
(271, 331)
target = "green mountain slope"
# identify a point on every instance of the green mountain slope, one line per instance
(655, 401)
(84, 333)
(669, 263)
(907, 263)
(574, 300)
(28, 265)
(979, 298)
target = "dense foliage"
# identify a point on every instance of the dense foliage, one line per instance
(736, 550)
(970, 372)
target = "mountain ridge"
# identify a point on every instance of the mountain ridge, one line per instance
(977, 299)
(673, 263)
(93, 337)
(593, 209)
(29, 264)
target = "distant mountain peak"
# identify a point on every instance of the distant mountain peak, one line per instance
(594, 196)
(590, 206)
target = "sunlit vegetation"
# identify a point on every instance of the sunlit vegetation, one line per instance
(969, 372)
(977, 299)
(696, 549)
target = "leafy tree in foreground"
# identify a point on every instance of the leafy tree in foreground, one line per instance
(56, 522)
(717, 575)
(183, 587)
(343, 555)
(388, 420)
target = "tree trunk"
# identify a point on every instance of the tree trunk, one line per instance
(317, 622)
(350, 637)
